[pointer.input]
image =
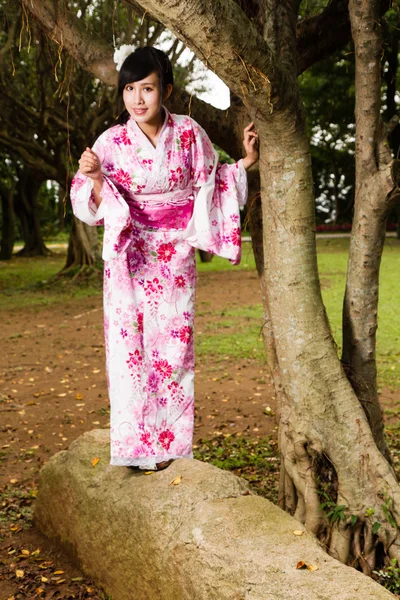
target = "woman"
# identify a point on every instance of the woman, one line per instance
(154, 181)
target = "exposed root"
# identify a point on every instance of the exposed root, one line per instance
(340, 543)
(76, 277)
(356, 520)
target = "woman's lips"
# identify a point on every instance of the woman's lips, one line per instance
(139, 111)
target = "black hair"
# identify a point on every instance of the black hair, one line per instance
(138, 65)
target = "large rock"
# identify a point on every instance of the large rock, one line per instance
(143, 538)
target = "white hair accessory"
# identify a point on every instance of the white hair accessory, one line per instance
(121, 54)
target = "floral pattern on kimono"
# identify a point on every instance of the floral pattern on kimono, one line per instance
(158, 205)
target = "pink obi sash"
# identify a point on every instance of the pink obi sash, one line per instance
(169, 210)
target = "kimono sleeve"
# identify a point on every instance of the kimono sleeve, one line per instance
(113, 211)
(219, 192)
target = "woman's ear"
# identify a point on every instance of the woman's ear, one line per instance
(168, 91)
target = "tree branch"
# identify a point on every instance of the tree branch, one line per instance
(219, 32)
(366, 33)
(65, 29)
(75, 41)
(28, 152)
(323, 34)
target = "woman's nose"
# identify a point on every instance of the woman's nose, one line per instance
(138, 97)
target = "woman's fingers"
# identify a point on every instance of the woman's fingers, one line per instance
(89, 161)
(250, 138)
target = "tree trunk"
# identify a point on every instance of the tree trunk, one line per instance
(328, 452)
(8, 225)
(205, 257)
(334, 478)
(83, 246)
(26, 209)
(373, 202)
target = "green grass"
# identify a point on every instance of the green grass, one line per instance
(21, 273)
(254, 460)
(241, 337)
(238, 333)
(237, 330)
(222, 264)
(25, 282)
(332, 262)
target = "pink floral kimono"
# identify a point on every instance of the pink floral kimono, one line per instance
(158, 205)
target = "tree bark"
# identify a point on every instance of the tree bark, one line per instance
(374, 199)
(26, 209)
(205, 257)
(83, 246)
(325, 440)
(8, 224)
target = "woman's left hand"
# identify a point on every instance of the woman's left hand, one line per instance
(250, 143)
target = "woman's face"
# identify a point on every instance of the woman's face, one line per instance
(143, 99)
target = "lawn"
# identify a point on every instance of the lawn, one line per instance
(234, 332)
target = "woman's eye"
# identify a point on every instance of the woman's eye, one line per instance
(148, 89)
(129, 88)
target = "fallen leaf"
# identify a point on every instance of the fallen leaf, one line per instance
(298, 531)
(61, 395)
(176, 481)
(60, 581)
(25, 552)
(312, 567)
(78, 397)
(19, 573)
(95, 461)
(58, 572)
(149, 472)
(13, 480)
(301, 565)
(44, 579)
(39, 591)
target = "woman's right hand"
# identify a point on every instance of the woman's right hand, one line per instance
(90, 165)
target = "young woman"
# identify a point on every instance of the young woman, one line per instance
(154, 181)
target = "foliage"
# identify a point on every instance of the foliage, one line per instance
(51, 108)
(254, 460)
(333, 512)
(327, 89)
(389, 576)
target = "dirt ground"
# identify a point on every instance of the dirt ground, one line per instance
(53, 389)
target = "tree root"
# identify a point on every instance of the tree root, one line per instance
(357, 524)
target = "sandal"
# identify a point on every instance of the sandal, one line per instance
(164, 464)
